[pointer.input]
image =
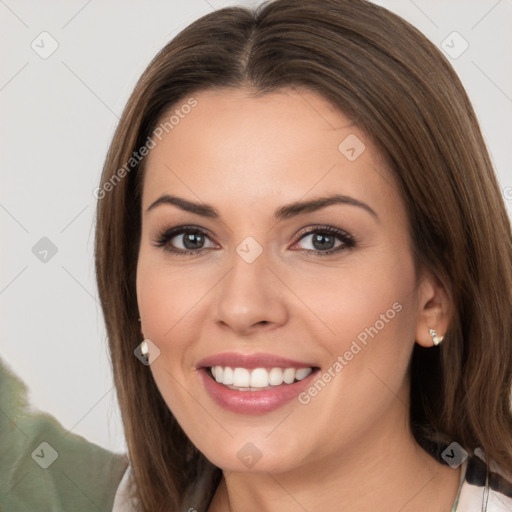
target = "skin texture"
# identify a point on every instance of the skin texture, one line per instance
(350, 447)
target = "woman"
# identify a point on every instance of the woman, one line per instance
(304, 263)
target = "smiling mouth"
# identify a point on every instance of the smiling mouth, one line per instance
(257, 379)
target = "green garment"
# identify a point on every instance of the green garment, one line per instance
(80, 476)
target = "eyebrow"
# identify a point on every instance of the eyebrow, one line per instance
(284, 212)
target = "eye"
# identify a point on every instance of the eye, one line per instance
(323, 240)
(190, 238)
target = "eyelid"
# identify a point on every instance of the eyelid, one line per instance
(165, 235)
(348, 241)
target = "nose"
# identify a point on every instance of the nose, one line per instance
(251, 297)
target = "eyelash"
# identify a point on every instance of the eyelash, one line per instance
(348, 241)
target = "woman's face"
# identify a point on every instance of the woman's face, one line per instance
(267, 288)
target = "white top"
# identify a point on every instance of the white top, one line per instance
(479, 491)
(122, 501)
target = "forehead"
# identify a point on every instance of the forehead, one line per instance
(233, 146)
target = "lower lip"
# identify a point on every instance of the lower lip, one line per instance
(253, 402)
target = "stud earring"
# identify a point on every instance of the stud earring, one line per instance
(435, 339)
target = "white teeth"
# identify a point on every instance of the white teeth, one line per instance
(244, 379)
(289, 375)
(300, 374)
(241, 378)
(275, 377)
(259, 378)
(218, 373)
(227, 377)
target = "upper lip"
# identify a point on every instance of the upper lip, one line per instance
(251, 361)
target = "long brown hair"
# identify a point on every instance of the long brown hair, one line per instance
(399, 88)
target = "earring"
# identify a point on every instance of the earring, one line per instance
(435, 339)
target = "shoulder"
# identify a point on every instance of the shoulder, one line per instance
(482, 489)
(45, 466)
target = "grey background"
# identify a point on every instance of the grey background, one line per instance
(58, 115)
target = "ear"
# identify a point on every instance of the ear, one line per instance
(434, 310)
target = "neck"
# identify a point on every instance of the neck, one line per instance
(384, 469)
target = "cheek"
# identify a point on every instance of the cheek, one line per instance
(342, 303)
(164, 296)
(370, 313)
